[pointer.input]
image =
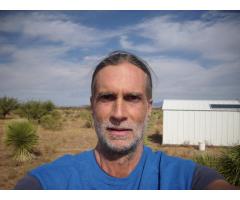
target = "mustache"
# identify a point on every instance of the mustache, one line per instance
(126, 125)
(122, 126)
(119, 128)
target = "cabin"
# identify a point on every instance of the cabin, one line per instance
(191, 122)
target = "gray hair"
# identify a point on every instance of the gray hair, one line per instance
(118, 57)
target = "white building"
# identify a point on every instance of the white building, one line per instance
(213, 122)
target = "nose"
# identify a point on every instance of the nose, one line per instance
(118, 114)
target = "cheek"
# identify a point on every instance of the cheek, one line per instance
(102, 111)
(137, 113)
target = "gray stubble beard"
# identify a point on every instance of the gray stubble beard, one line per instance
(107, 146)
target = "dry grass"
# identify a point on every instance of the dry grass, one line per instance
(72, 139)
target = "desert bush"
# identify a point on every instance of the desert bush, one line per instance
(52, 121)
(21, 136)
(67, 112)
(84, 114)
(206, 160)
(87, 117)
(229, 165)
(155, 121)
(88, 124)
(146, 141)
(7, 104)
(157, 130)
(35, 110)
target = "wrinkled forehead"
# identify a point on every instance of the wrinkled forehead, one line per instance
(125, 76)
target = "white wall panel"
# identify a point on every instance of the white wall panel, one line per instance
(192, 127)
(208, 135)
(224, 127)
(236, 137)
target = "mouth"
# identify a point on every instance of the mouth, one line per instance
(118, 131)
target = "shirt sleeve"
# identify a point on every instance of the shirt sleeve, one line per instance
(203, 176)
(28, 183)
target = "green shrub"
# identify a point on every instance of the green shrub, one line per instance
(206, 160)
(88, 124)
(155, 119)
(67, 112)
(87, 117)
(35, 110)
(21, 136)
(51, 121)
(229, 165)
(146, 141)
(7, 104)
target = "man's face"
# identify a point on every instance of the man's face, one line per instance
(120, 106)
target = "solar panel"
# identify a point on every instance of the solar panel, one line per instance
(228, 106)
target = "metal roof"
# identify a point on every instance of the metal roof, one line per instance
(200, 105)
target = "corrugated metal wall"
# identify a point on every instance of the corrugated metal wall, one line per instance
(191, 127)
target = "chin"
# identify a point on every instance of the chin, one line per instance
(121, 147)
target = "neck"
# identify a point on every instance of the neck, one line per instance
(118, 165)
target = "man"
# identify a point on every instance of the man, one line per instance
(121, 102)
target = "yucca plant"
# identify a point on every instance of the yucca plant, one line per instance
(229, 165)
(21, 136)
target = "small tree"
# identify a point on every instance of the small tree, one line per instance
(35, 110)
(21, 136)
(7, 104)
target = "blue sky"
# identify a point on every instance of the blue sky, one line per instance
(50, 55)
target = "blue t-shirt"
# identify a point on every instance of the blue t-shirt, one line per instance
(155, 170)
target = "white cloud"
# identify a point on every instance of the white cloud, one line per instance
(178, 78)
(54, 28)
(40, 71)
(126, 44)
(218, 40)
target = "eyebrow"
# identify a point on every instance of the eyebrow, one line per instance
(105, 93)
(134, 94)
(114, 93)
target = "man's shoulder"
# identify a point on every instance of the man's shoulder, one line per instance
(167, 162)
(164, 158)
(56, 174)
(203, 176)
(69, 160)
(174, 172)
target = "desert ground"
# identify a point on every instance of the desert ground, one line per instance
(74, 137)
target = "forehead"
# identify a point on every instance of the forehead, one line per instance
(124, 76)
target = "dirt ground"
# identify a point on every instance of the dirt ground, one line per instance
(72, 139)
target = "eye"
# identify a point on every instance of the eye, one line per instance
(106, 97)
(132, 98)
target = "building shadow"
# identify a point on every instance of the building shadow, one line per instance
(156, 138)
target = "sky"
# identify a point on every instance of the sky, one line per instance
(51, 55)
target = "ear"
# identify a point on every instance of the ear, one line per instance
(150, 101)
(91, 103)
